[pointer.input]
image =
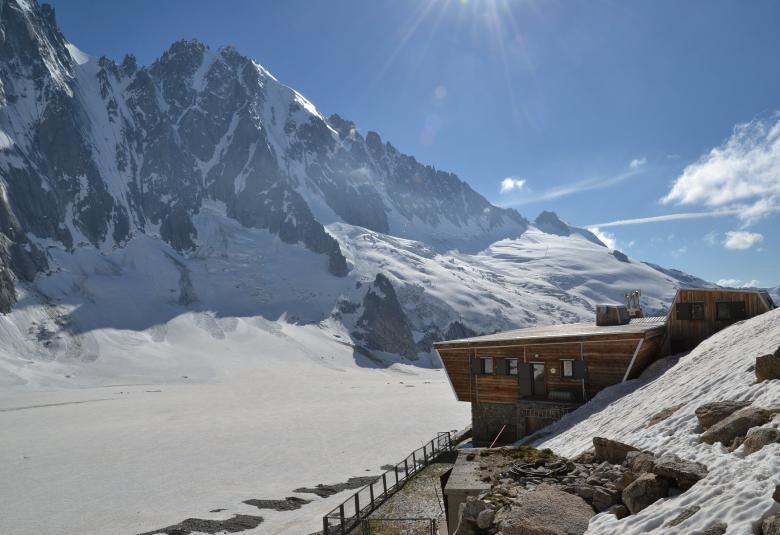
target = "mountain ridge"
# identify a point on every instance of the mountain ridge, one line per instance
(201, 187)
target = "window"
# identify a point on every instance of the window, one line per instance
(511, 368)
(567, 368)
(690, 311)
(730, 310)
(486, 365)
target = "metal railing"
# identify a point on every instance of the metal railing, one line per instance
(362, 503)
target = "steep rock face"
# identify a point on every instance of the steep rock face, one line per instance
(383, 326)
(94, 152)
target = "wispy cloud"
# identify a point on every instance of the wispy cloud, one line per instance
(741, 174)
(740, 240)
(512, 184)
(736, 283)
(711, 237)
(667, 217)
(634, 167)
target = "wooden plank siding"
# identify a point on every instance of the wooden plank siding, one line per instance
(686, 334)
(496, 388)
(607, 362)
(608, 351)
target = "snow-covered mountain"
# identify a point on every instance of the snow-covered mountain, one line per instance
(201, 187)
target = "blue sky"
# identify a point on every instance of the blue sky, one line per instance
(600, 111)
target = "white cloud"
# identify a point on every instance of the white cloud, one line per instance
(742, 174)
(512, 184)
(737, 283)
(741, 240)
(606, 238)
(711, 237)
(636, 163)
(677, 253)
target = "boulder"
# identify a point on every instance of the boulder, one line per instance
(683, 516)
(603, 499)
(611, 451)
(485, 518)
(711, 413)
(715, 529)
(584, 491)
(663, 415)
(776, 494)
(760, 437)
(771, 525)
(625, 480)
(640, 462)
(545, 511)
(647, 489)
(735, 425)
(685, 473)
(468, 515)
(768, 367)
(620, 511)
(586, 457)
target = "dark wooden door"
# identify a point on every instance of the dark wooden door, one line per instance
(537, 370)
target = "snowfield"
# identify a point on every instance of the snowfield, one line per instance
(738, 489)
(287, 408)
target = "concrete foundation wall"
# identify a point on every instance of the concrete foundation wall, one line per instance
(487, 419)
(521, 418)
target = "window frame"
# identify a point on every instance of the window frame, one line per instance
(483, 368)
(690, 306)
(510, 367)
(570, 375)
(729, 306)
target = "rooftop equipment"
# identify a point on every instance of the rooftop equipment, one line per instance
(632, 304)
(612, 315)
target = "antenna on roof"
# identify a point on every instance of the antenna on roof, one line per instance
(632, 304)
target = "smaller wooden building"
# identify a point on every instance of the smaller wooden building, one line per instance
(522, 380)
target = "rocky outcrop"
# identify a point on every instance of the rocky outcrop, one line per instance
(611, 451)
(711, 413)
(383, 326)
(768, 367)
(545, 511)
(760, 437)
(771, 525)
(640, 461)
(719, 528)
(683, 516)
(473, 517)
(646, 490)
(662, 415)
(736, 425)
(684, 473)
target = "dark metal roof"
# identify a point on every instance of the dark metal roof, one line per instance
(568, 330)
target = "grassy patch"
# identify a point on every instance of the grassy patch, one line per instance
(520, 452)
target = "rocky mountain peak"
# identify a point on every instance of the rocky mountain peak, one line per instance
(550, 223)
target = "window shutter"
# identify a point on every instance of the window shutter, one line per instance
(502, 367)
(738, 310)
(683, 311)
(580, 369)
(524, 378)
(475, 366)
